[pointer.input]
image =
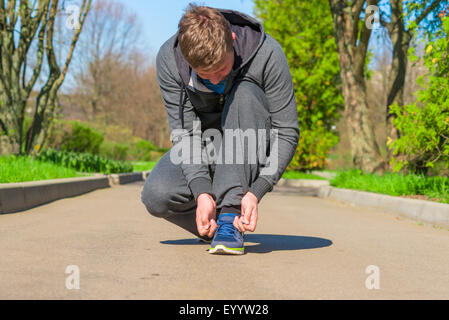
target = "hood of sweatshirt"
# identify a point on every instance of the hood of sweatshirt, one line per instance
(250, 35)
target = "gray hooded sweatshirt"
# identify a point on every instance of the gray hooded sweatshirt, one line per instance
(258, 58)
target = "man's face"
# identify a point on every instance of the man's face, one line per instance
(219, 73)
(215, 75)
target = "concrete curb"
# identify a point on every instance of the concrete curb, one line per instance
(15, 197)
(124, 178)
(295, 183)
(304, 187)
(145, 175)
(428, 212)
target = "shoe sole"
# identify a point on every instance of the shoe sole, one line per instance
(221, 249)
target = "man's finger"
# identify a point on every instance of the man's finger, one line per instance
(246, 218)
(212, 228)
(246, 214)
(238, 224)
(202, 227)
(251, 226)
(202, 230)
(243, 208)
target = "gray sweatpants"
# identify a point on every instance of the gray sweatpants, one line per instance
(166, 194)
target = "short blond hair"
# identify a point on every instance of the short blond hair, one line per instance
(204, 37)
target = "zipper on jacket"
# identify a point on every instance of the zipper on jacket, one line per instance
(181, 105)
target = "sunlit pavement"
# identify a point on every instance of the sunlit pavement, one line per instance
(104, 245)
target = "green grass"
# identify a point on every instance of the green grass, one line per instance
(139, 166)
(23, 169)
(149, 165)
(395, 184)
(300, 175)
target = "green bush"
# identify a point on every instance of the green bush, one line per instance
(142, 150)
(81, 138)
(313, 149)
(74, 136)
(110, 141)
(85, 162)
(113, 150)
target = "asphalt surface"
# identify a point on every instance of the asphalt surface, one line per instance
(303, 248)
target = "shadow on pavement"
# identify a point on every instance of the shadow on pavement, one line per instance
(265, 243)
(275, 242)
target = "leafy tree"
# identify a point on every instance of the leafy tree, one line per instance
(28, 54)
(353, 25)
(402, 21)
(304, 30)
(425, 130)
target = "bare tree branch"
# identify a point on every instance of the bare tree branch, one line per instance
(48, 94)
(40, 51)
(426, 11)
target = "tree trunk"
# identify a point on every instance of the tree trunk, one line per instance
(366, 154)
(400, 39)
(352, 50)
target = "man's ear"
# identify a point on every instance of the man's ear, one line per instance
(233, 36)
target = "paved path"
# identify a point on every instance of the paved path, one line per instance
(304, 248)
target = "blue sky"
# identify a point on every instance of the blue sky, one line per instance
(159, 18)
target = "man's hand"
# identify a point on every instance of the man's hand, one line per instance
(206, 215)
(248, 219)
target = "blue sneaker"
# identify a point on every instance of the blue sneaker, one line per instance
(227, 239)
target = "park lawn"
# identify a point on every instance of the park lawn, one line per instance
(24, 168)
(395, 184)
(139, 166)
(149, 165)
